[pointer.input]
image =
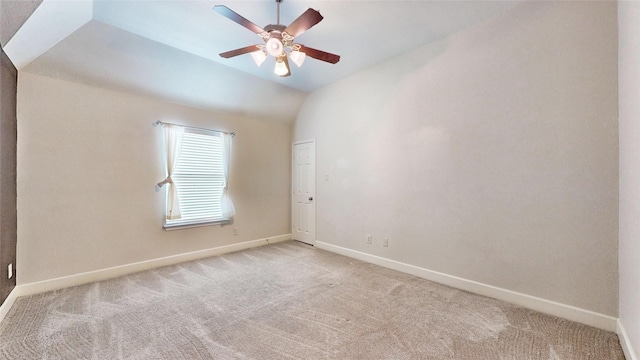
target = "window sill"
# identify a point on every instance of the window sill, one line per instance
(194, 225)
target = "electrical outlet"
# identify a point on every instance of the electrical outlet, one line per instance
(369, 239)
(385, 243)
(235, 231)
(10, 271)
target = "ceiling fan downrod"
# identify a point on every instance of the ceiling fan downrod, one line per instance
(278, 16)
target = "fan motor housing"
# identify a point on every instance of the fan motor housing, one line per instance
(274, 28)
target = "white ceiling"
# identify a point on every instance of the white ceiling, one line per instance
(170, 48)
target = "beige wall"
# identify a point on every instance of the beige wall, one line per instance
(629, 105)
(490, 155)
(88, 160)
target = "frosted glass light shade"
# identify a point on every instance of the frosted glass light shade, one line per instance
(274, 47)
(298, 57)
(259, 57)
(280, 69)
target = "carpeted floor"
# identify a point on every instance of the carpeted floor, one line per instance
(286, 301)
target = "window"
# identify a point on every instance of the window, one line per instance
(197, 167)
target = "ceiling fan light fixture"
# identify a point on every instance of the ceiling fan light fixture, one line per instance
(298, 57)
(279, 40)
(259, 57)
(274, 47)
(281, 68)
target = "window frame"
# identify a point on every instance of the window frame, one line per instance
(219, 153)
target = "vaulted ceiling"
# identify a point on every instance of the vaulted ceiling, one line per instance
(170, 48)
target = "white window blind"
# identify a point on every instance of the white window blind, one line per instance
(199, 178)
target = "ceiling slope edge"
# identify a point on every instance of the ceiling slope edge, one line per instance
(49, 24)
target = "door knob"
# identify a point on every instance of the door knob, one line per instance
(310, 199)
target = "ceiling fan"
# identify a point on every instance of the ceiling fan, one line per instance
(278, 40)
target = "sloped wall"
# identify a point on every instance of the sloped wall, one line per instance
(14, 14)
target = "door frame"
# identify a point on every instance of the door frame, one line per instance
(315, 180)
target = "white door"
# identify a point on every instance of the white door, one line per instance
(303, 211)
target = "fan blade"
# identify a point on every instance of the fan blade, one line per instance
(234, 16)
(241, 51)
(304, 22)
(320, 55)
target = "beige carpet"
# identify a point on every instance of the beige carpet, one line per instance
(286, 301)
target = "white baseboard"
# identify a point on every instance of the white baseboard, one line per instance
(568, 312)
(625, 342)
(8, 303)
(109, 273)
